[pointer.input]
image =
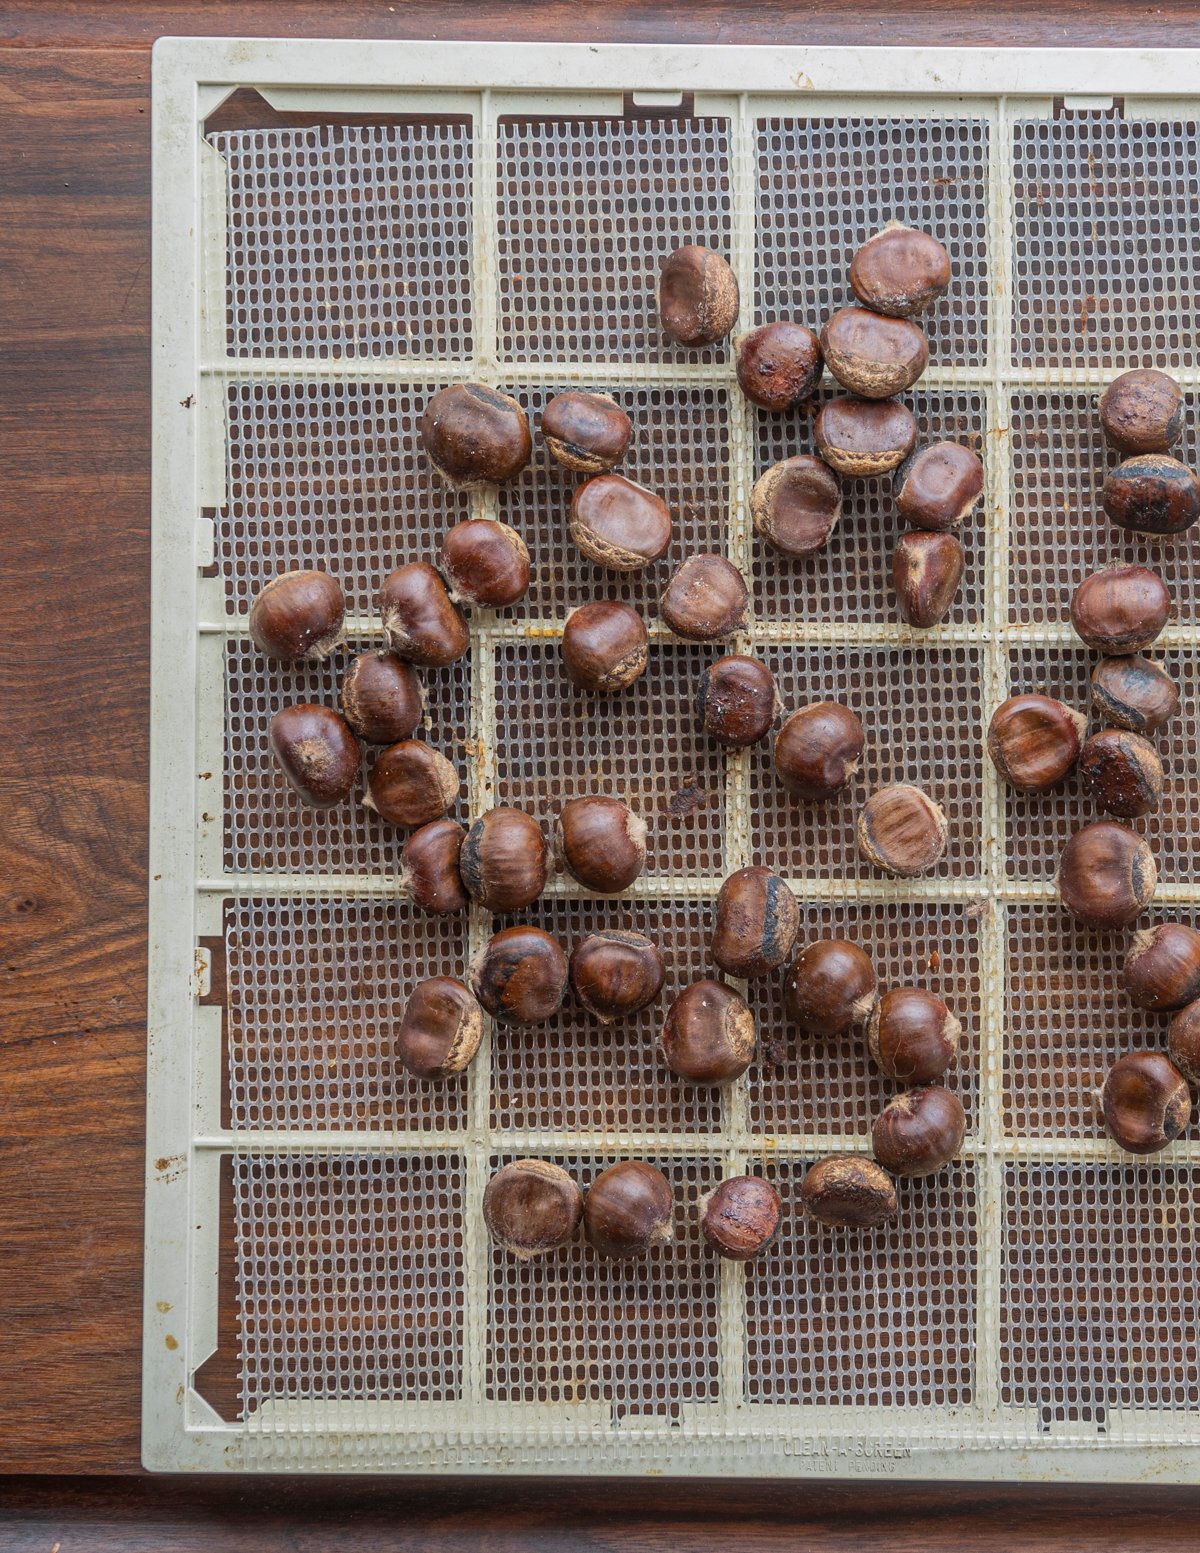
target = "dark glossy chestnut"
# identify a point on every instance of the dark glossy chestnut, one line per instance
(938, 487)
(1134, 693)
(740, 1218)
(486, 563)
(901, 830)
(1140, 412)
(605, 646)
(475, 435)
(531, 1206)
(429, 873)
(778, 364)
(600, 842)
(919, 1131)
(1107, 875)
(317, 752)
(419, 619)
(440, 1029)
(504, 860)
(1152, 493)
(411, 784)
(864, 437)
(620, 525)
(818, 749)
(382, 697)
(795, 505)
(1122, 772)
(848, 1192)
(705, 600)
(900, 271)
(756, 920)
(298, 615)
(586, 431)
(926, 571)
(709, 1035)
(912, 1036)
(697, 296)
(629, 1208)
(1145, 1102)
(1162, 968)
(872, 355)
(520, 975)
(830, 987)
(616, 973)
(1184, 1042)
(736, 701)
(1034, 741)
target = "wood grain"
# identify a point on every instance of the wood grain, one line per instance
(74, 455)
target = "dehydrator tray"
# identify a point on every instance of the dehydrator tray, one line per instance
(340, 228)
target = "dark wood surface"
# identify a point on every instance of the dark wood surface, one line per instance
(74, 456)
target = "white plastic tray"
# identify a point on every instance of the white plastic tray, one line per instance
(499, 215)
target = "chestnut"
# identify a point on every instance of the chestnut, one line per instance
(486, 563)
(899, 271)
(429, 873)
(736, 701)
(440, 1030)
(504, 860)
(1151, 493)
(1034, 741)
(757, 920)
(818, 749)
(862, 437)
(411, 784)
(926, 571)
(616, 973)
(708, 1036)
(382, 698)
(600, 843)
(830, 987)
(1140, 412)
(419, 619)
(919, 1131)
(586, 432)
(618, 524)
(605, 646)
(1134, 693)
(705, 600)
(796, 504)
(697, 296)
(318, 753)
(1145, 1102)
(938, 487)
(520, 975)
(1106, 875)
(912, 1036)
(531, 1207)
(298, 615)
(1183, 1042)
(475, 435)
(873, 356)
(901, 830)
(629, 1208)
(778, 364)
(848, 1192)
(1122, 772)
(1162, 968)
(740, 1217)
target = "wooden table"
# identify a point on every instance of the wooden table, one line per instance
(74, 675)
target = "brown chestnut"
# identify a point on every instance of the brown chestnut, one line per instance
(830, 987)
(778, 364)
(1107, 875)
(740, 1217)
(298, 615)
(899, 271)
(708, 1036)
(601, 843)
(629, 1208)
(937, 488)
(605, 646)
(736, 701)
(618, 524)
(926, 571)
(1140, 412)
(531, 1207)
(1145, 1102)
(901, 830)
(795, 505)
(440, 1030)
(848, 1192)
(919, 1131)
(504, 860)
(1134, 693)
(872, 355)
(429, 873)
(486, 563)
(1034, 741)
(705, 600)
(1162, 968)
(520, 975)
(475, 435)
(756, 922)
(382, 698)
(318, 753)
(818, 749)
(419, 619)
(1151, 493)
(912, 1036)
(1183, 1042)
(1122, 772)
(697, 296)
(411, 784)
(587, 432)
(616, 973)
(862, 437)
